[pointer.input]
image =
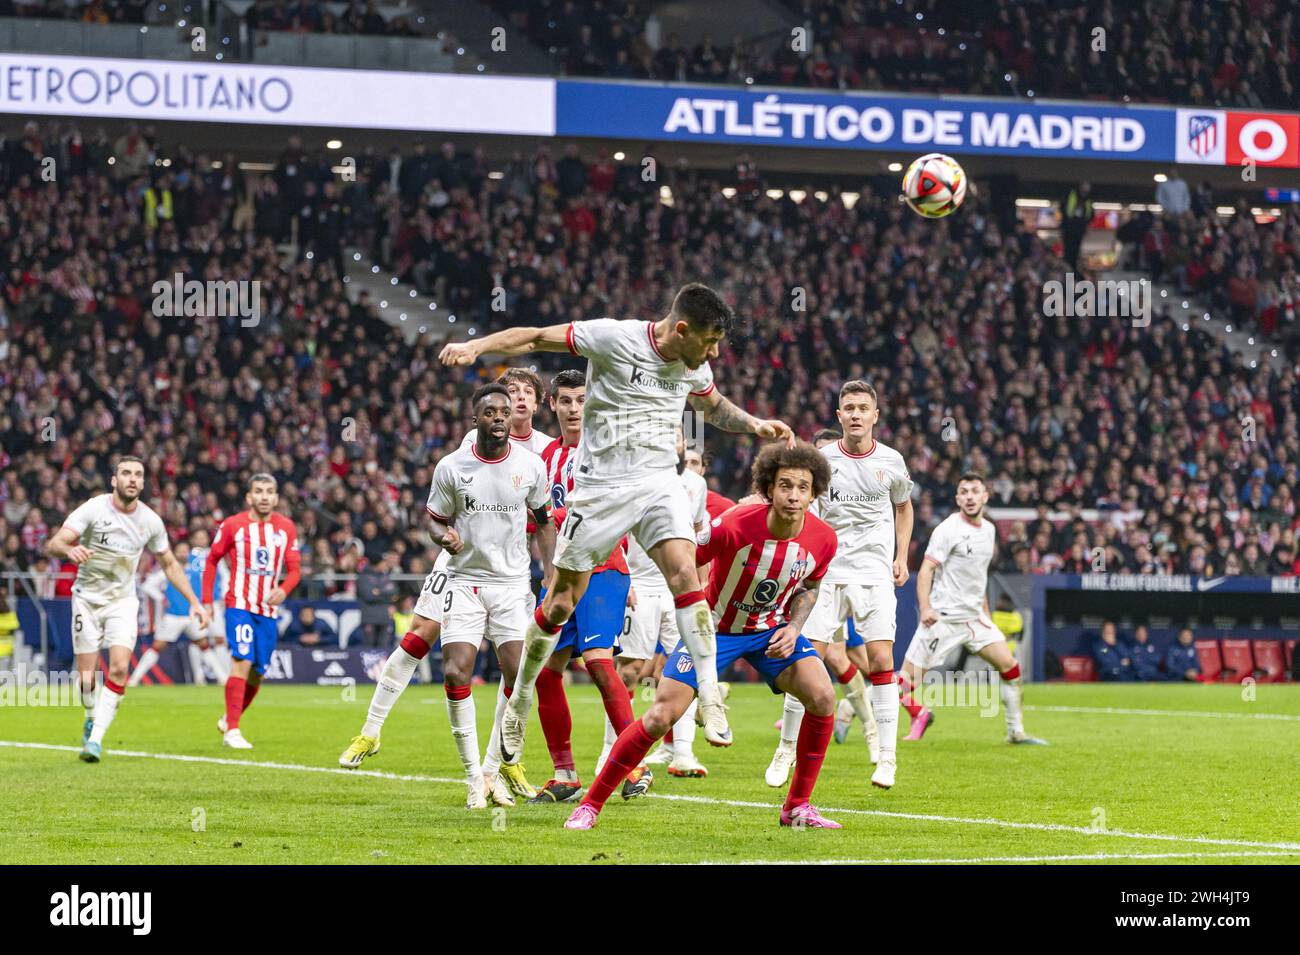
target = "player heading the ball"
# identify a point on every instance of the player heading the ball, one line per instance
(639, 377)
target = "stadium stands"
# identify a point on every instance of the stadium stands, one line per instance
(1190, 51)
(1146, 425)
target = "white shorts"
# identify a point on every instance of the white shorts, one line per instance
(933, 646)
(433, 596)
(654, 621)
(599, 516)
(170, 627)
(872, 607)
(115, 624)
(471, 612)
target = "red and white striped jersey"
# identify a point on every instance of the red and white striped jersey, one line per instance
(559, 459)
(255, 552)
(754, 574)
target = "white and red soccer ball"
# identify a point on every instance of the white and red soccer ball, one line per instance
(934, 185)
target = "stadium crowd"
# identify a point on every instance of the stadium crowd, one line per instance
(1188, 456)
(1244, 53)
(361, 17)
(1196, 52)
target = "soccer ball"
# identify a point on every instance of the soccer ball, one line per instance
(934, 185)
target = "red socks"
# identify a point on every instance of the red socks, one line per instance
(236, 687)
(615, 696)
(545, 625)
(909, 703)
(413, 645)
(848, 675)
(1013, 673)
(557, 722)
(627, 754)
(239, 696)
(810, 752)
(686, 600)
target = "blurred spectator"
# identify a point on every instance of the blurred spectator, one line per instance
(1114, 663)
(8, 632)
(376, 593)
(1173, 195)
(1145, 657)
(307, 630)
(1181, 660)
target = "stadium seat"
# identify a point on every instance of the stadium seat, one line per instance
(1079, 669)
(1269, 659)
(1238, 662)
(1207, 651)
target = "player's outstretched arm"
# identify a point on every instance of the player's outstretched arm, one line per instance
(511, 341)
(172, 569)
(725, 416)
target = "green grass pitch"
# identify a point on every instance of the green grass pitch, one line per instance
(1134, 773)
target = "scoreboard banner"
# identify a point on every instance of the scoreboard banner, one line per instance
(900, 123)
(291, 96)
(544, 106)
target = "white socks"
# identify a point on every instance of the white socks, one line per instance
(538, 647)
(394, 679)
(695, 624)
(1011, 706)
(610, 739)
(105, 710)
(147, 661)
(196, 665)
(88, 698)
(884, 704)
(209, 657)
(855, 691)
(464, 730)
(684, 731)
(791, 720)
(492, 759)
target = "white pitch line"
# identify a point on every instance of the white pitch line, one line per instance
(1123, 711)
(702, 800)
(1094, 856)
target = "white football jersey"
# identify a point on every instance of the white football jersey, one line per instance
(635, 402)
(116, 540)
(963, 551)
(645, 573)
(536, 442)
(859, 506)
(488, 502)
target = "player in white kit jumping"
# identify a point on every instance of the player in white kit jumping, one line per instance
(105, 537)
(868, 503)
(639, 378)
(952, 594)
